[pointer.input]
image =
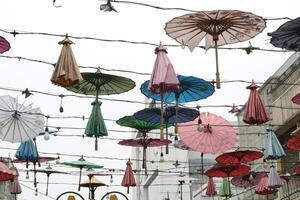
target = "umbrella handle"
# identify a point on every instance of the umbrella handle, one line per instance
(167, 146)
(161, 114)
(34, 174)
(79, 179)
(47, 184)
(217, 66)
(144, 158)
(176, 116)
(127, 190)
(202, 166)
(96, 144)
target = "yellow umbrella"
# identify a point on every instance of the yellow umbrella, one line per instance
(92, 183)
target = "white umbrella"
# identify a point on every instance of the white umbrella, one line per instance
(19, 123)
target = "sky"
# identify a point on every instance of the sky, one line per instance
(132, 23)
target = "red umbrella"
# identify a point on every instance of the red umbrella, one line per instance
(5, 173)
(294, 143)
(4, 45)
(128, 178)
(249, 180)
(163, 78)
(144, 142)
(234, 109)
(262, 187)
(296, 99)
(297, 170)
(211, 187)
(255, 112)
(228, 170)
(239, 156)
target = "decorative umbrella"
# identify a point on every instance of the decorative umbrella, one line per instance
(239, 156)
(128, 178)
(287, 35)
(225, 190)
(296, 99)
(48, 171)
(297, 170)
(15, 187)
(27, 151)
(228, 170)
(294, 143)
(234, 109)
(255, 112)
(218, 27)
(211, 187)
(4, 45)
(19, 123)
(274, 181)
(190, 89)
(144, 142)
(169, 116)
(214, 134)
(66, 72)
(163, 79)
(92, 184)
(96, 125)
(5, 173)
(274, 149)
(262, 187)
(81, 163)
(248, 180)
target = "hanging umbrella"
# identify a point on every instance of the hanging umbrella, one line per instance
(81, 163)
(296, 99)
(214, 134)
(294, 143)
(18, 123)
(287, 35)
(96, 125)
(218, 27)
(228, 170)
(128, 178)
(163, 79)
(262, 187)
(66, 72)
(297, 170)
(274, 149)
(211, 187)
(144, 142)
(248, 180)
(190, 89)
(15, 187)
(239, 156)
(225, 190)
(169, 116)
(4, 45)
(234, 109)
(92, 184)
(274, 181)
(27, 151)
(48, 171)
(5, 173)
(255, 112)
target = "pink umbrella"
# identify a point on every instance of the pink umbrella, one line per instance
(296, 99)
(163, 78)
(211, 187)
(249, 180)
(128, 178)
(4, 45)
(262, 187)
(145, 142)
(5, 173)
(275, 181)
(255, 112)
(214, 134)
(15, 187)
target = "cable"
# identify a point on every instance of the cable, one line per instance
(36, 191)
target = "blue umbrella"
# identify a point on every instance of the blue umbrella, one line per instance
(274, 149)
(287, 36)
(27, 151)
(169, 115)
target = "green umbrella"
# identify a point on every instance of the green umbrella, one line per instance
(96, 126)
(225, 190)
(81, 163)
(141, 125)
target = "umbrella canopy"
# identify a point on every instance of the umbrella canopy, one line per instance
(4, 45)
(274, 149)
(128, 178)
(66, 72)
(96, 125)
(274, 181)
(287, 35)
(218, 27)
(144, 142)
(27, 151)
(5, 173)
(294, 143)
(262, 187)
(81, 163)
(255, 112)
(93, 182)
(18, 123)
(239, 156)
(225, 190)
(296, 99)
(228, 170)
(234, 109)
(216, 136)
(102, 84)
(190, 89)
(297, 170)
(211, 187)
(248, 180)
(15, 187)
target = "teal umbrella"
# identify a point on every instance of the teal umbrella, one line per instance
(274, 149)
(96, 126)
